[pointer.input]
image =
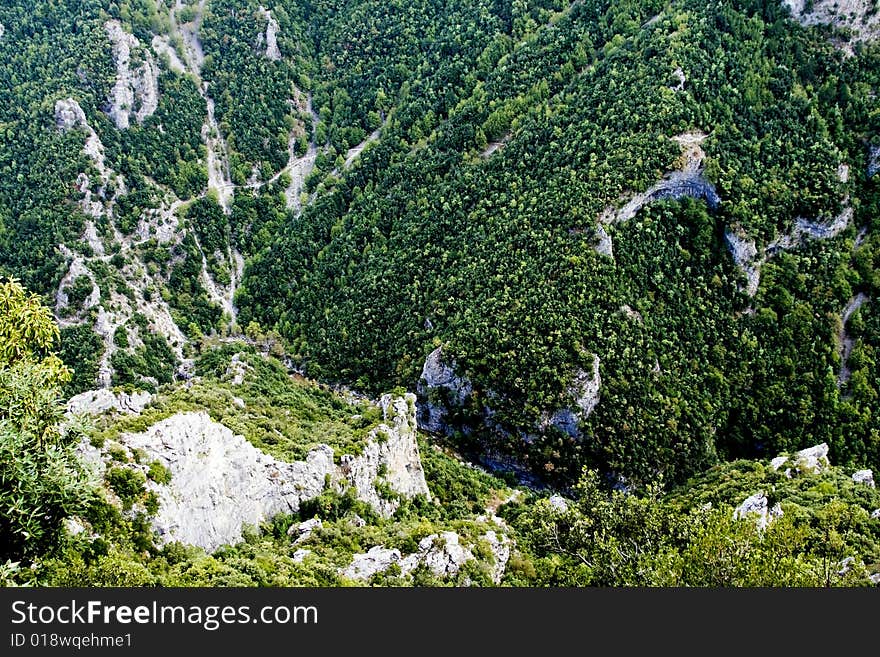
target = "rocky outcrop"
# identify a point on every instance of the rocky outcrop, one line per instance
(865, 477)
(271, 37)
(391, 449)
(758, 507)
(443, 554)
(604, 245)
(220, 482)
(440, 389)
(747, 257)
(680, 79)
(687, 181)
(845, 342)
(584, 391)
(97, 402)
(355, 151)
(812, 460)
(164, 48)
(875, 514)
(378, 559)
(558, 503)
(744, 252)
(303, 531)
(299, 555)
(500, 546)
(69, 115)
(778, 462)
(858, 16)
(137, 87)
(237, 370)
(77, 269)
(873, 160)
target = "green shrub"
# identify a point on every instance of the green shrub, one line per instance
(127, 483)
(159, 473)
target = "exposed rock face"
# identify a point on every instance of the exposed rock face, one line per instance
(378, 559)
(584, 391)
(873, 160)
(865, 477)
(558, 503)
(303, 531)
(875, 514)
(76, 270)
(680, 78)
(162, 47)
(237, 370)
(300, 555)
(393, 449)
(439, 379)
(688, 180)
(500, 546)
(441, 390)
(69, 115)
(631, 313)
(778, 462)
(845, 341)
(355, 151)
(135, 87)
(604, 244)
(745, 252)
(748, 258)
(856, 15)
(812, 460)
(220, 482)
(443, 554)
(96, 402)
(758, 507)
(272, 28)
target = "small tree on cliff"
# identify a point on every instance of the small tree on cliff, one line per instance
(41, 480)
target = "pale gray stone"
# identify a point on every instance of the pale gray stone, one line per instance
(299, 555)
(378, 559)
(133, 87)
(865, 477)
(812, 460)
(221, 482)
(303, 531)
(437, 374)
(96, 402)
(394, 449)
(558, 503)
(757, 506)
(778, 462)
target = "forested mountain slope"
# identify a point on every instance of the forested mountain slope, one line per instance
(501, 216)
(642, 235)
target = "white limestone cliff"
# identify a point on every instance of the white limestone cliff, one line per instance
(137, 87)
(220, 482)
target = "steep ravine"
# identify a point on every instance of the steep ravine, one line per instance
(219, 179)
